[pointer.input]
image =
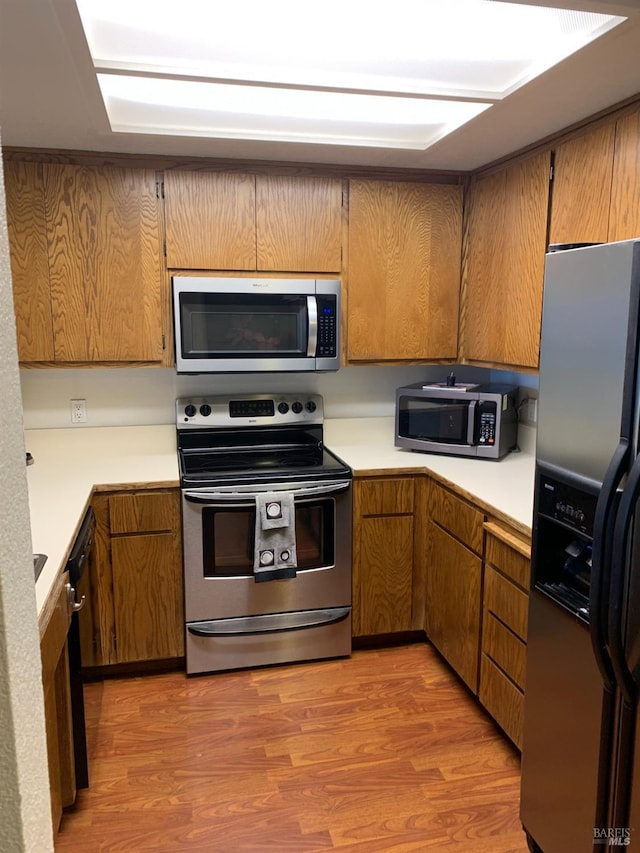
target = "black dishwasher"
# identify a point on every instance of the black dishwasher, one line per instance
(76, 565)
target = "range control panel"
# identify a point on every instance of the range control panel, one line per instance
(248, 410)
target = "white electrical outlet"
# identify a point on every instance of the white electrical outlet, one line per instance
(78, 411)
(532, 414)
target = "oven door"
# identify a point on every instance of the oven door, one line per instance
(234, 622)
(218, 544)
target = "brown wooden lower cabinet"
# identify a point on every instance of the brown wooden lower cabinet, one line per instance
(454, 591)
(453, 580)
(383, 555)
(134, 587)
(57, 702)
(504, 632)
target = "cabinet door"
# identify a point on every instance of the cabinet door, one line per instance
(404, 270)
(210, 220)
(506, 239)
(384, 575)
(453, 602)
(625, 210)
(299, 224)
(96, 619)
(104, 259)
(29, 260)
(147, 596)
(582, 188)
(383, 556)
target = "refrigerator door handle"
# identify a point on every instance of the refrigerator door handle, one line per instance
(602, 556)
(624, 519)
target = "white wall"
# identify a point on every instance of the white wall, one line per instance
(25, 811)
(147, 395)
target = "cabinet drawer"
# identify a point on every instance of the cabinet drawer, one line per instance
(458, 517)
(502, 699)
(506, 601)
(384, 497)
(140, 512)
(501, 552)
(504, 648)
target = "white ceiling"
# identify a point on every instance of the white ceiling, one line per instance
(49, 97)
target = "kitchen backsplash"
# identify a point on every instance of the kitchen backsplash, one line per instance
(147, 395)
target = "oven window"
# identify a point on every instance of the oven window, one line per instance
(229, 533)
(442, 420)
(243, 325)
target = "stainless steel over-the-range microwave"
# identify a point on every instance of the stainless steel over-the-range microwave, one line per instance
(458, 420)
(252, 324)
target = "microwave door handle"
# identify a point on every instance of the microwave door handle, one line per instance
(312, 314)
(471, 424)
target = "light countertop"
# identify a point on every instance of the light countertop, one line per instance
(71, 464)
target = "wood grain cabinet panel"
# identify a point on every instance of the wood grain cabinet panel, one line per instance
(504, 648)
(26, 221)
(404, 270)
(299, 224)
(624, 221)
(142, 512)
(383, 555)
(581, 198)
(453, 602)
(505, 245)
(504, 633)
(103, 229)
(147, 588)
(134, 609)
(508, 553)
(57, 703)
(220, 221)
(503, 700)
(507, 602)
(210, 220)
(457, 516)
(386, 555)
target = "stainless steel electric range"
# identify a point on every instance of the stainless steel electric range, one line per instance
(266, 511)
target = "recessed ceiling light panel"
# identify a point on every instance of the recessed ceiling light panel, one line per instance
(467, 50)
(188, 108)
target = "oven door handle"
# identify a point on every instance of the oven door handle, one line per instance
(208, 496)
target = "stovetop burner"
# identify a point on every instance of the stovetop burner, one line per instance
(252, 439)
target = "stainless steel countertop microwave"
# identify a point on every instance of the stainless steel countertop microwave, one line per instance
(251, 324)
(458, 420)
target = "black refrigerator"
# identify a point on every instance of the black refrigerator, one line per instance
(580, 761)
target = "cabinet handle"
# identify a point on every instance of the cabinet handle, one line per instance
(74, 605)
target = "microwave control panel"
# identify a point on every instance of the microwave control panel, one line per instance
(487, 423)
(327, 327)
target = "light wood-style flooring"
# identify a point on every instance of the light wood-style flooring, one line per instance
(385, 752)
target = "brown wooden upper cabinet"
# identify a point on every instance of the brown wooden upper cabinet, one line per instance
(233, 221)
(581, 196)
(86, 263)
(405, 243)
(624, 222)
(597, 184)
(505, 245)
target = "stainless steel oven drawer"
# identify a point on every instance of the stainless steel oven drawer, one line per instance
(268, 639)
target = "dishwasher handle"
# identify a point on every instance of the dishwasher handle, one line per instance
(72, 602)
